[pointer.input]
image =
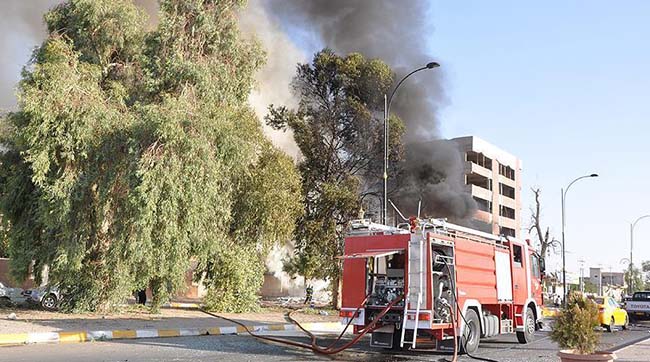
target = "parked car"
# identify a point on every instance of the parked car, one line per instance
(610, 314)
(639, 305)
(47, 297)
(10, 296)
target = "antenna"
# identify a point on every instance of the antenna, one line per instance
(396, 209)
(419, 206)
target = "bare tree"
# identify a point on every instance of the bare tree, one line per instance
(544, 238)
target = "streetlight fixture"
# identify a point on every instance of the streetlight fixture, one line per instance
(564, 192)
(387, 102)
(632, 226)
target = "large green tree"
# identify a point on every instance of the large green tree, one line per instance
(135, 153)
(339, 129)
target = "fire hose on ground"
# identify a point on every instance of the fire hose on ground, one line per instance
(329, 349)
(314, 345)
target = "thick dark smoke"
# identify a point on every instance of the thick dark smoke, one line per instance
(436, 181)
(397, 32)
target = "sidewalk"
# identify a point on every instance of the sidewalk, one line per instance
(35, 326)
(635, 353)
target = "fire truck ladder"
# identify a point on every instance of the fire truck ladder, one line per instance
(416, 285)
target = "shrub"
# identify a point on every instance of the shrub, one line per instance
(575, 326)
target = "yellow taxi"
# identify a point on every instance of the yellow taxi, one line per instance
(610, 314)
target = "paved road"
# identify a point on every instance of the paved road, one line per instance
(245, 348)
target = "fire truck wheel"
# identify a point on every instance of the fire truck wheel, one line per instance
(528, 334)
(472, 333)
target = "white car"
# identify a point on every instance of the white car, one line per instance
(10, 296)
(47, 297)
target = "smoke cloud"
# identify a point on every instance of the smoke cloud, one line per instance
(396, 32)
(436, 181)
(273, 80)
(21, 30)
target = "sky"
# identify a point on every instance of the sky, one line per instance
(560, 84)
(563, 85)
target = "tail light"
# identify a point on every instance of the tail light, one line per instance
(422, 317)
(346, 314)
(601, 310)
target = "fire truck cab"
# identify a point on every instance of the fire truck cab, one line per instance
(453, 281)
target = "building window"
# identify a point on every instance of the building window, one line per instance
(517, 255)
(507, 212)
(479, 180)
(479, 159)
(507, 172)
(483, 205)
(507, 231)
(507, 191)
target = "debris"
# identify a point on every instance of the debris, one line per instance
(323, 312)
(12, 316)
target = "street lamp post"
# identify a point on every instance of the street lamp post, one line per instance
(564, 192)
(632, 226)
(387, 102)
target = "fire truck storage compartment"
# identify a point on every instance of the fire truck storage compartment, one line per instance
(442, 276)
(385, 283)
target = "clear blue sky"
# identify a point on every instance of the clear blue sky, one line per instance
(564, 86)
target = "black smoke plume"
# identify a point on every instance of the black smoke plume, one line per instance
(398, 32)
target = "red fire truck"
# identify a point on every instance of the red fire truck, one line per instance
(422, 284)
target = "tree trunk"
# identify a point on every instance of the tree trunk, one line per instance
(335, 284)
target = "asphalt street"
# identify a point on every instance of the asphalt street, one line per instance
(245, 348)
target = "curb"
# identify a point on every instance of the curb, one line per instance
(92, 336)
(181, 305)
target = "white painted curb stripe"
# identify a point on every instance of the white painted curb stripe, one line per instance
(146, 333)
(192, 332)
(228, 330)
(43, 337)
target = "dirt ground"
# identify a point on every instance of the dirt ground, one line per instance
(134, 317)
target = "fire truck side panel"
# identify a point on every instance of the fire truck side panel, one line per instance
(475, 271)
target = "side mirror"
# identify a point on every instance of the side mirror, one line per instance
(542, 266)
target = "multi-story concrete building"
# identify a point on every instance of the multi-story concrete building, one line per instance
(493, 178)
(608, 278)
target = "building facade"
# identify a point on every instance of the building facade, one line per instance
(597, 276)
(493, 178)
